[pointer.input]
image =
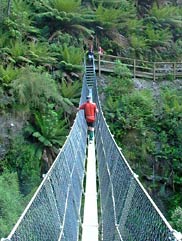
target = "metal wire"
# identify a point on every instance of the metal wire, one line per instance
(54, 211)
(127, 211)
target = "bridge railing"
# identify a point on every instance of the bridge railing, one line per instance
(54, 211)
(140, 68)
(127, 210)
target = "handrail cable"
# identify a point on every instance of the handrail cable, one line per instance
(127, 211)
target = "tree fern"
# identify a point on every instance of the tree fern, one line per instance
(71, 54)
(165, 12)
(133, 26)
(34, 89)
(158, 37)
(8, 74)
(49, 129)
(108, 17)
(20, 22)
(18, 48)
(66, 6)
(71, 91)
(138, 42)
(40, 53)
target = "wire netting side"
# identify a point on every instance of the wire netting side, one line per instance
(125, 204)
(54, 211)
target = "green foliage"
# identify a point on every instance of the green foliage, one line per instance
(71, 55)
(24, 158)
(71, 95)
(19, 24)
(148, 138)
(121, 70)
(122, 84)
(138, 42)
(177, 219)
(49, 34)
(68, 15)
(71, 58)
(134, 26)
(114, 15)
(129, 116)
(108, 17)
(11, 202)
(137, 108)
(34, 89)
(166, 13)
(169, 133)
(66, 6)
(39, 53)
(49, 130)
(162, 37)
(177, 50)
(8, 74)
(18, 50)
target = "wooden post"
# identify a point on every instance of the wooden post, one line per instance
(134, 68)
(99, 66)
(154, 76)
(174, 71)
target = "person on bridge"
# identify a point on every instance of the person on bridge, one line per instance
(90, 110)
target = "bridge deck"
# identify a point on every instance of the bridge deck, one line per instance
(90, 220)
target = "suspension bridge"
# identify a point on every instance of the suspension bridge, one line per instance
(90, 193)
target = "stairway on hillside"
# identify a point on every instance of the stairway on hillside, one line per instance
(89, 73)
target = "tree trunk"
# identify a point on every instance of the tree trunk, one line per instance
(9, 8)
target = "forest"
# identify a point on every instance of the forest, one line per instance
(41, 69)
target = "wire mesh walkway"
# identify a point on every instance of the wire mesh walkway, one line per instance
(126, 211)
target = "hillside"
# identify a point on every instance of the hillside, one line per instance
(42, 48)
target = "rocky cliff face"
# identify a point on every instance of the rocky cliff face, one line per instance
(10, 126)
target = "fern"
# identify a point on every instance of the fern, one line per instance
(48, 128)
(133, 25)
(165, 13)
(32, 89)
(40, 53)
(71, 54)
(8, 74)
(71, 91)
(138, 42)
(66, 6)
(158, 37)
(18, 48)
(108, 17)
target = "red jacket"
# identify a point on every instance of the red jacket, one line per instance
(90, 110)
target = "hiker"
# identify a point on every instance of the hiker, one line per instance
(90, 53)
(100, 51)
(90, 110)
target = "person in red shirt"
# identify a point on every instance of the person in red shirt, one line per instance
(90, 110)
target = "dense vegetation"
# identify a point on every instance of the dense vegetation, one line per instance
(149, 130)
(41, 49)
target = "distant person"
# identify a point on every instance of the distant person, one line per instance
(100, 51)
(90, 110)
(90, 53)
